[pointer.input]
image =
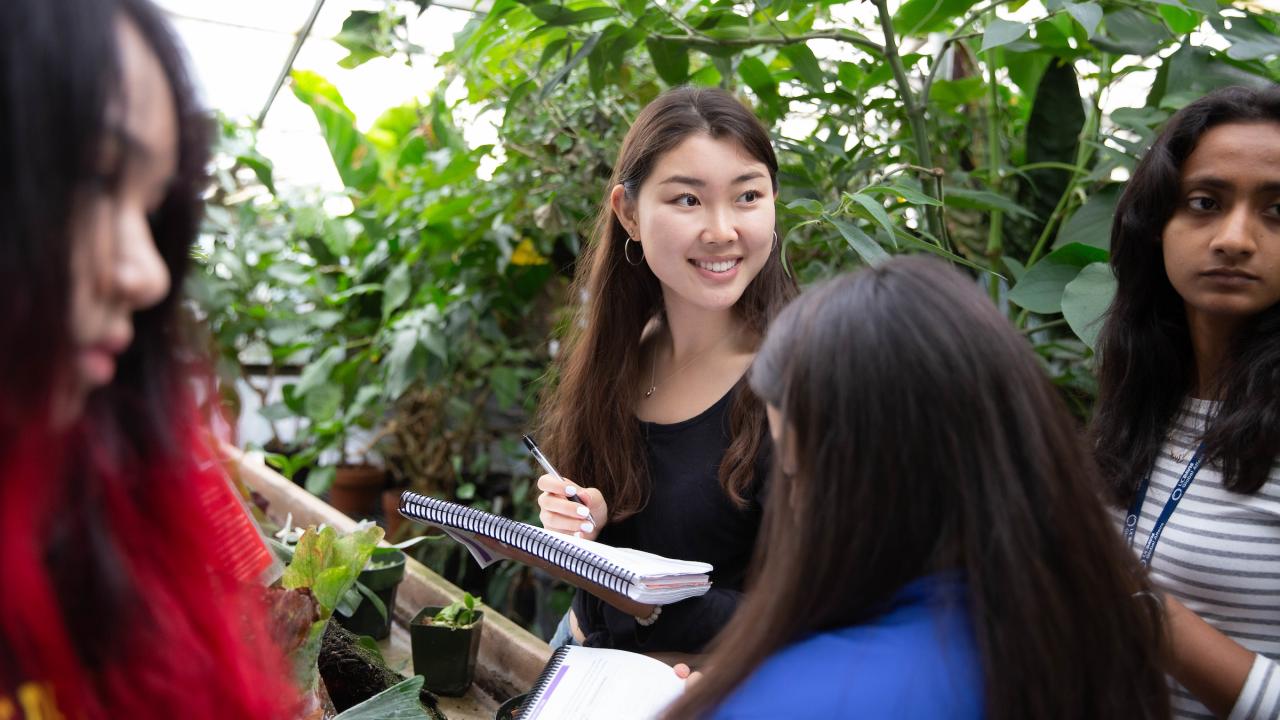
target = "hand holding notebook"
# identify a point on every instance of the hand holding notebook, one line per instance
(628, 579)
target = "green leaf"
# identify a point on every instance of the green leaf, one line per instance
(1180, 20)
(261, 167)
(948, 94)
(1249, 39)
(395, 290)
(1052, 136)
(866, 248)
(587, 46)
(757, 76)
(984, 200)
(920, 17)
(1091, 224)
(806, 65)
(1194, 71)
(353, 156)
(329, 563)
(807, 204)
(320, 479)
(558, 15)
(322, 402)
(1088, 14)
(398, 702)
(875, 210)
(319, 372)
(1129, 32)
(1040, 289)
(911, 195)
(506, 386)
(399, 372)
(670, 59)
(1001, 32)
(1086, 299)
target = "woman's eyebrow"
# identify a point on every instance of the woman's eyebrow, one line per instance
(696, 182)
(1218, 183)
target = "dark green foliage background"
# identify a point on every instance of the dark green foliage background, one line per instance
(940, 126)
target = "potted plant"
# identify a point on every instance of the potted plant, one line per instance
(322, 568)
(367, 608)
(445, 642)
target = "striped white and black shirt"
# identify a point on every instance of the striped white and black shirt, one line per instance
(1220, 555)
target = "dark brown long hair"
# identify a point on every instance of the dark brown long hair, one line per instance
(587, 424)
(926, 438)
(1146, 365)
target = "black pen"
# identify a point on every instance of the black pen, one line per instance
(542, 460)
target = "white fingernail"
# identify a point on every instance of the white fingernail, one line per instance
(583, 511)
(586, 527)
(570, 490)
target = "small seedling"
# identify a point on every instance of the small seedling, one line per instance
(459, 614)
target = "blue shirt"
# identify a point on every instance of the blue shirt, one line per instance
(917, 660)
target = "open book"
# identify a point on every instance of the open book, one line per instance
(581, 683)
(614, 574)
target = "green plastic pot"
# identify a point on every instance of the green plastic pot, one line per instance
(444, 656)
(382, 579)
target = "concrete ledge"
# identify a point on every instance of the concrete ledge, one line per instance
(510, 656)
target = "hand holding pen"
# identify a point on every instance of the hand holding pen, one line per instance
(565, 507)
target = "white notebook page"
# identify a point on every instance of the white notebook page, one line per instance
(597, 683)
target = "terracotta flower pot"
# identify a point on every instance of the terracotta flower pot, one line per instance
(357, 489)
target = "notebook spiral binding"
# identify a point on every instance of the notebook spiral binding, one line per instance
(540, 685)
(535, 541)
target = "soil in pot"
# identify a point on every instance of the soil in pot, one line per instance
(352, 674)
(444, 656)
(357, 489)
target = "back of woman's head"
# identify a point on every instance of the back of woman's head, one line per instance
(111, 570)
(586, 418)
(1146, 364)
(922, 437)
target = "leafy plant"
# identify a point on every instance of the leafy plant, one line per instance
(975, 130)
(458, 614)
(398, 702)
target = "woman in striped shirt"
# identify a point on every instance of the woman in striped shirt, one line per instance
(1187, 427)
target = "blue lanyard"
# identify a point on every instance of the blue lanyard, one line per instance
(1131, 520)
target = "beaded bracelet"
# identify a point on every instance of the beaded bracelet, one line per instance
(653, 616)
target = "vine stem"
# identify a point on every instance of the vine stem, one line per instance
(915, 115)
(995, 233)
(1084, 153)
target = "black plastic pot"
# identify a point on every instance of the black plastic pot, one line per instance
(383, 579)
(444, 656)
(512, 708)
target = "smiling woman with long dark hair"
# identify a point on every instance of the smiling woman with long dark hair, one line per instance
(118, 597)
(1187, 427)
(651, 419)
(933, 546)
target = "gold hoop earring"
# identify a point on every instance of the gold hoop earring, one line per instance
(626, 251)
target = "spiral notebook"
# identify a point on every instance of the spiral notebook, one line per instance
(581, 683)
(641, 576)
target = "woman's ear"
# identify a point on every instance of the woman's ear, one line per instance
(624, 210)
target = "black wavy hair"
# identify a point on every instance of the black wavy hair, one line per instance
(1146, 365)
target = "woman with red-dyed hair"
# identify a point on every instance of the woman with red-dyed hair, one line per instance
(119, 595)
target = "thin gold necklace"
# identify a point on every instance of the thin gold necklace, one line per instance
(653, 364)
